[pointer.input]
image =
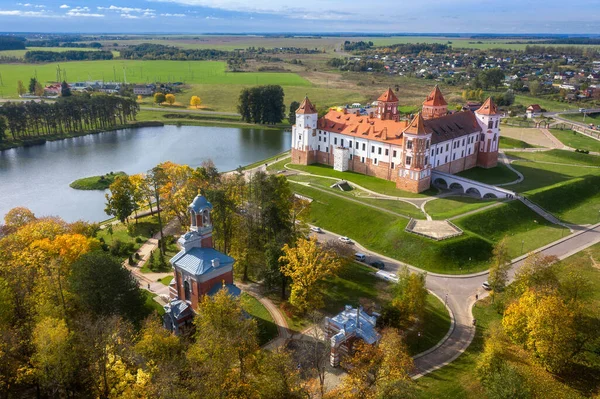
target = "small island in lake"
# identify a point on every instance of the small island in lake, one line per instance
(96, 182)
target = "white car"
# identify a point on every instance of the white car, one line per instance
(387, 276)
(316, 229)
(345, 240)
(486, 286)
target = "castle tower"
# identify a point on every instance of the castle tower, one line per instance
(387, 106)
(434, 105)
(304, 134)
(489, 121)
(415, 173)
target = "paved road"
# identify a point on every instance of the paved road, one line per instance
(459, 292)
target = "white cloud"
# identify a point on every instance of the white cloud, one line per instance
(129, 16)
(20, 13)
(82, 12)
(31, 5)
(80, 9)
(126, 10)
(64, 6)
(209, 17)
(172, 15)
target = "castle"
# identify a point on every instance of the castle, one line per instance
(381, 145)
(199, 269)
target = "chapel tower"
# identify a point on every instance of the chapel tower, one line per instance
(304, 134)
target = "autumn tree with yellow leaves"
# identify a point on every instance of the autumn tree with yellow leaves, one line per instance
(170, 99)
(307, 265)
(195, 101)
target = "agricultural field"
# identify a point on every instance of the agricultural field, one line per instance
(21, 53)
(514, 136)
(548, 105)
(198, 72)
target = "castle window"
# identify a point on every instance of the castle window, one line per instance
(427, 144)
(335, 141)
(463, 142)
(408, 160)
(462, 153)
(351, 157)
(350, 144)
(394, 154)
(482, 137)
(387, 152)
(392, 165)
(432, 152)
(379, 150)
(447, 147)
(364, 146)
(446, 161)
(319, 138)
(496, 123)
(299, 137)
(318, 148)
(493, 141)
(324, 139)
(362, 159)
(357, 145)
(469, 152)
(372, 148)
(454, 157)
(426, 161)
(375, 161)
(409, 144)
(342, 142)
(491, 124)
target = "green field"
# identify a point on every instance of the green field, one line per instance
(548, 105)
(436, 324)
(559, 157)
(497, 175)
(507, 143)
(21, 53)
(589, 118)
(267, 329)
(576, 140)
(540, 175)
(199, 72)
(448, 207)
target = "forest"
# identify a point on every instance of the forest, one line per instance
(262, 104)
(74, 114)
(72, 55)
(12, 43)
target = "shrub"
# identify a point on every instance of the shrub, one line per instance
(137, 256)
(116, 247)
(130, 260)
(139, 240)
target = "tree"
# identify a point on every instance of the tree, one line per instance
(18, 217)
(39, 89)
(375, 368)
(120, 203)
(21, 88)
(537, 272)
(104, 287)
(155, 180)
(195, 101)
(498, 273)
(159, 98)
(307, 265)
(534, 87)
(262, 104)
(292, 114)
(65, 90)
(54, 363)
(226, 341)
(32, 84)
(170, 99)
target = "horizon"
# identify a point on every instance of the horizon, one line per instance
(219, 17)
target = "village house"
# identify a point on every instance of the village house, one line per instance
(143, 90)
(534, 110)
(402, 151)
(199, 269)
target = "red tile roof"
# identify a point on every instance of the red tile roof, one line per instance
(417, 126)
(371, 128)
(306, 107)
(388, 96)
(488, 108)
(435, 98)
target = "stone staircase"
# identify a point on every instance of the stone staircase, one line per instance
(542, 212)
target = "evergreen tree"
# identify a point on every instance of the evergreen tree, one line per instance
(65, 90)
(292, 114)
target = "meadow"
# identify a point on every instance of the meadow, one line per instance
(135, 71)
(21, 53)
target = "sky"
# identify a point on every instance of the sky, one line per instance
(305, 16)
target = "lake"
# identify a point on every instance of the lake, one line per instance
(38, 177)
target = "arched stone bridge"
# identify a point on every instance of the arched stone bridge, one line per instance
(468, 186)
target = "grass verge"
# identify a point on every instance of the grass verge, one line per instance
(96, 182)
(267, 329)
(558, 156)
(445, 208)
(497, 175)
(573, 139)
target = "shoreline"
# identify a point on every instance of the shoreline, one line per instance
(9, 145)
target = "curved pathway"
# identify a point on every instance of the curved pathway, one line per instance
(459, 293)
(507, 162)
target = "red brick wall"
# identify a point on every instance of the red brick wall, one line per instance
(207, 242)
(413, 186)
(443, 168)
(487, 159)
(207, 285)
(471, 161)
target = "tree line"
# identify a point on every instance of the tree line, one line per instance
(72, 55)
(12, 43)
(357, 46)
(262, 104)
(71, 114)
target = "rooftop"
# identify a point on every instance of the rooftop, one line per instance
(199, 261)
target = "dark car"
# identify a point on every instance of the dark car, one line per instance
(378, 264)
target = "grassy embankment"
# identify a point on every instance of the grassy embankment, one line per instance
(458, 379)
(267, 329)
(445, 208)
(508, 142)
(96, 182)
(576, 140)
(589, 118)
(497, 175)
(570, 189)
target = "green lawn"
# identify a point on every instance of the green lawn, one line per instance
(576, 140)
(369, 182)
(540, 175)
(151, 305)
(137, 71)
(458, 379)
(435, 326)
(558, 156)
(497, 175)
(548, 105)
(508, 142)
(21, 53)
(166, 280)
(96, 182)
(267, 329)
(448, 207)
(400, 207)
(524, 229)
(589, 118)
